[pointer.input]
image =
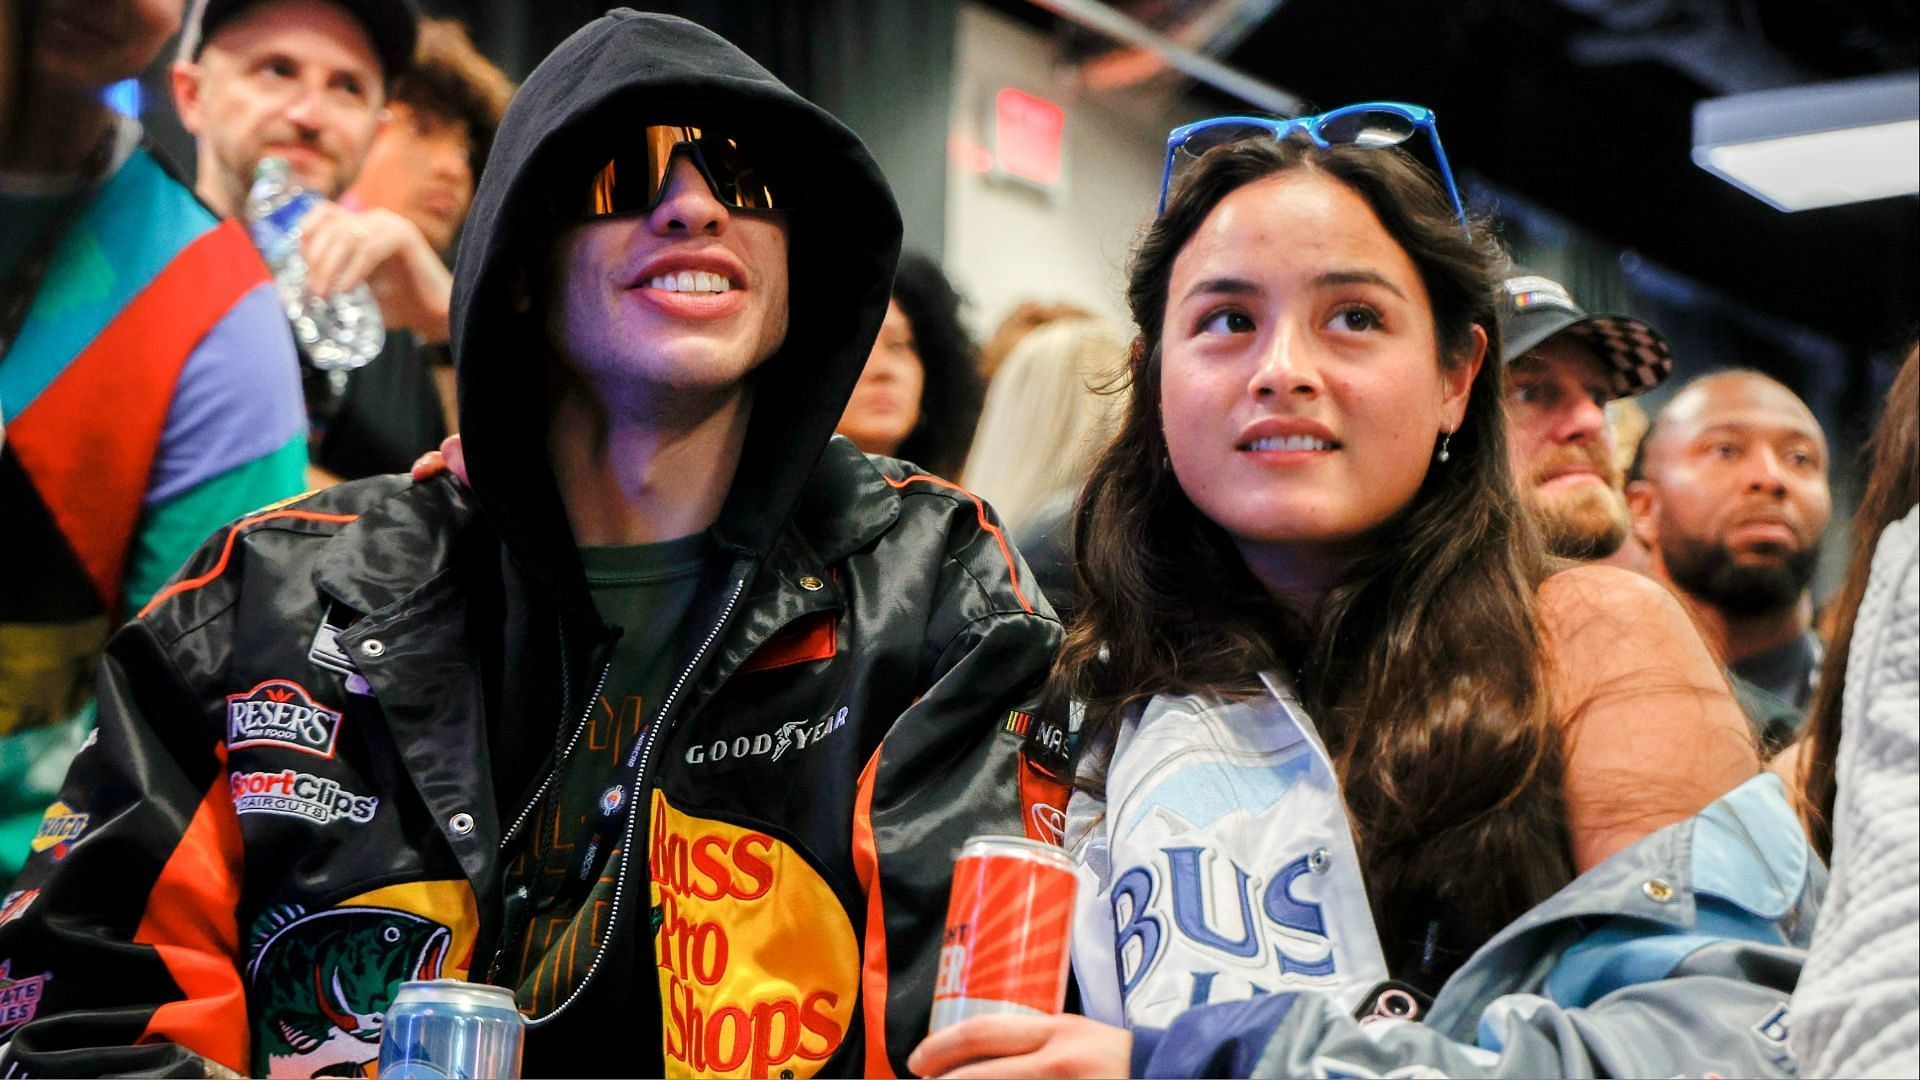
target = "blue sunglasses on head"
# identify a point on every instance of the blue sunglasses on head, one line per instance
(1369, 124)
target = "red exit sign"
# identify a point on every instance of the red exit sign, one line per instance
(1026, 136)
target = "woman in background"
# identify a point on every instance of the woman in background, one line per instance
(919, 395)
(1346, 728)
(1026, 317)
(1046, 415)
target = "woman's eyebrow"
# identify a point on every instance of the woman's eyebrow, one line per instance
(1226, 285)
(1357, 277)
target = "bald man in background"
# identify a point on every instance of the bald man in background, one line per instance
(307, 81)
(1730, 497)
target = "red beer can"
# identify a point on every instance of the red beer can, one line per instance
(1009, 925)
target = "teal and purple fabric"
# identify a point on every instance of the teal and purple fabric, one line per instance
(151, 396)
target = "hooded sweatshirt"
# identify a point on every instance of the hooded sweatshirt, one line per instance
(320, 747)
(600, 86)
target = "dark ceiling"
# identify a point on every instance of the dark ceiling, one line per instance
(1585, 107)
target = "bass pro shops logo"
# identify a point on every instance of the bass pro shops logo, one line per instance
(279, 712)
(301, 795)
(759, 968)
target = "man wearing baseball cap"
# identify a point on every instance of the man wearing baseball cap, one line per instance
(307, 81)
(1564, 366)
(301, 79)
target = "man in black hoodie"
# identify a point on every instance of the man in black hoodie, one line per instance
(672, 722)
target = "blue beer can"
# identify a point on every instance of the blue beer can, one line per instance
(446, 1028)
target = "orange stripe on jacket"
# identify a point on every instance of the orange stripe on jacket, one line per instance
(192, 922)
(93, 476)
(226, 553)
(815, 637)
(873, 968)
(1006, 551)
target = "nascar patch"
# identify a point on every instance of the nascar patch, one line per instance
(1046, 757)
(1045, 742)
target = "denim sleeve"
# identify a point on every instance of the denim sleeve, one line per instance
(1214, 1040)
(1686, 1026)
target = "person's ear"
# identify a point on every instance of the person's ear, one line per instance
(1456, 381)
(185, 76)
(1643, 504)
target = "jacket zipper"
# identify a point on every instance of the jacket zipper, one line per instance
(578, 730)
(606, 669)
(640, 784)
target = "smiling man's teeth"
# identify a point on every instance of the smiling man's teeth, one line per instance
(1290, 442)
(690, 281)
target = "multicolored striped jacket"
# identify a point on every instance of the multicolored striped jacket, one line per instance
(151, 395)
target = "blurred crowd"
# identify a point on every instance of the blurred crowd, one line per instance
(1346, 617)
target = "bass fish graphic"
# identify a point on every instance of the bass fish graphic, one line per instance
(319, 985)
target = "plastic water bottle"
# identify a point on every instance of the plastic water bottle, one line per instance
(337, 333)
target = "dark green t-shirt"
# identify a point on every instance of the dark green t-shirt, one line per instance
(645, 590)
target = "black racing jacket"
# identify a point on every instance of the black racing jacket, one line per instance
(290, 805)
(286, 810)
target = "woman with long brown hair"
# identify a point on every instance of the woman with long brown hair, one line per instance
(1344, 725)
(1855, 1013)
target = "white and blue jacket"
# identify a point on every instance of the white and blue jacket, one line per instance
(1222, 869)
(1676, 956)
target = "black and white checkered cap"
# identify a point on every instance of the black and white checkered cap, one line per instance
(1535, 308)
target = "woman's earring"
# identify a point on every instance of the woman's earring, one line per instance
(1445, 441)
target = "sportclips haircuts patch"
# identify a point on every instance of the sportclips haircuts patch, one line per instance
(301, 795)
(759, 968)
(280, 712)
